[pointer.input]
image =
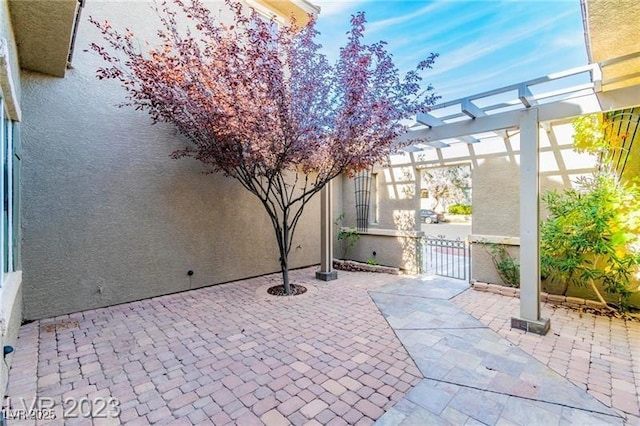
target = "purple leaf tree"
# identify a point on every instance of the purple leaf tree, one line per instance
(260, 103)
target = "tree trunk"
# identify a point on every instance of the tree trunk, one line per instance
(285, 276)
(595, 288)
(283, 245)
(599, 296)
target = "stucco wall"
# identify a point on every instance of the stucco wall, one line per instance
(108, 216)
(496, 190)
(394, 199)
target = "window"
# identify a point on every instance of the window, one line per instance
(9, 185)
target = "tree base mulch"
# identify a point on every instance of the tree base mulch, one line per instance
(278, 290)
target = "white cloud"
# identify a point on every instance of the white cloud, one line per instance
(489, 44)
(398, 20)
(568, 40)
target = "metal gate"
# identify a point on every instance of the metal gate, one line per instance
(447, 258)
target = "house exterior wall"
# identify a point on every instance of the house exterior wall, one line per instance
(394, 198)
(11, 282)
(108, 216)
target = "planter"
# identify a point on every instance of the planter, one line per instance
(352, 265)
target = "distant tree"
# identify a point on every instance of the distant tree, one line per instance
(263, 105)
(446, 185)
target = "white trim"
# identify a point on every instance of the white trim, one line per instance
(389, 233)
(494, 239)
(9, 195)
(7, 85)
(266, 11)
(3, 237)
(307, 7)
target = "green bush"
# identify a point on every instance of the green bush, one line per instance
(508, 268)
(461, 209)
(347, 236)
(591, 236)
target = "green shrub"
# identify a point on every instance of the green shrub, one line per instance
(508, 268)
(347, 236)
(591, 236)
(461, 209)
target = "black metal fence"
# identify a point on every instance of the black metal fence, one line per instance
(448, 258)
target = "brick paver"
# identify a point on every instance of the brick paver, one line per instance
(225, 354)
(597, 353)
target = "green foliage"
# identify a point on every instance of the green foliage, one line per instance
(590, 134)
(598, 134)
(462, 209)
(347, 236)
(591, 236)
(508, 268)
(446, 185)
(372, 261)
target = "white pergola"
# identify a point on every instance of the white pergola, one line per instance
(524, 106)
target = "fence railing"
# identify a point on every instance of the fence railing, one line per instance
(447, 258)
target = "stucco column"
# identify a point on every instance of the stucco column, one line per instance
(326, 272)
(529, 319)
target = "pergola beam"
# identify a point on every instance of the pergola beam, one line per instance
(577, 101)
(471, 110)
(526, 97)
(568, 108)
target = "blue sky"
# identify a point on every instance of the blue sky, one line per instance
(483, 44)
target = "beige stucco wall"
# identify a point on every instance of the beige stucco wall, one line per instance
(496, 190)
(612, 27)
(44, 31)
(398, 250)
(108, 216)
(396, 204)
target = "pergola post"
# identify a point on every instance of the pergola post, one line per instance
(326, 272)
(417, 197)
(529, 319)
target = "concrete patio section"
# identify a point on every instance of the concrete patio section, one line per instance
(597, 353)
(472, 375)
(231, 354)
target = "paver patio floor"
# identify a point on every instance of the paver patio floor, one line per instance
(224, 354)
(232, 354)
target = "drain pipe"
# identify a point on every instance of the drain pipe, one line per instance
(585, 25)
(75, 32)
